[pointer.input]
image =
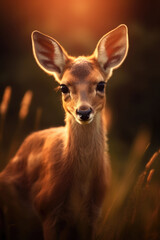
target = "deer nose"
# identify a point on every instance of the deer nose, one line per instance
(84, 113)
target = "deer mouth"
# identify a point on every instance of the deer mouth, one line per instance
(84, 115)
(85, 121)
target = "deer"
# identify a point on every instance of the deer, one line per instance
(63, 174)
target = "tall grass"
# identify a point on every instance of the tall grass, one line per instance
(132, 207)
(3, 109)
(24, 108)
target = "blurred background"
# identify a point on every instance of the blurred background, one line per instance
(27, 96)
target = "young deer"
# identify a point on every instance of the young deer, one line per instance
(63, 173)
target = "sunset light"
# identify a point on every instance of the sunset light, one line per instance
(79, 120)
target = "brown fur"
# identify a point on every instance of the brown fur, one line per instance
(62, 174)
(81, 68)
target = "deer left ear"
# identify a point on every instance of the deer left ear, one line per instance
(112, 49)
(49, 54)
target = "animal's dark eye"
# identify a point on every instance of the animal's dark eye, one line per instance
(100, 86)
(64, 88)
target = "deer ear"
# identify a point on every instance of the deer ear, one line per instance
(49, 54)
(112, 49)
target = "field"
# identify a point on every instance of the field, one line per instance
(29, 100)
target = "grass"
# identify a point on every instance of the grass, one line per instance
(132, 208)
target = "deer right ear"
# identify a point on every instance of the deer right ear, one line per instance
(49, 54)
(112, 49)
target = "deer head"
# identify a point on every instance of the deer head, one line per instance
(82, 80)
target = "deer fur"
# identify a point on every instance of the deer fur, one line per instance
(63, 174)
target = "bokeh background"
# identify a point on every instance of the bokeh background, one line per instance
(133, 92)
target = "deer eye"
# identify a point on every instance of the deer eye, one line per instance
(64, 88)
(100, 86)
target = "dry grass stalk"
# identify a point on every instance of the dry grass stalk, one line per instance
(3, 109)
(122, 187)
(25, 104)
(5, 100)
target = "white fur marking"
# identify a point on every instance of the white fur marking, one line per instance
(101, 53)
(58, 57)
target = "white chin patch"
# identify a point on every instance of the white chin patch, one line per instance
(84, 122)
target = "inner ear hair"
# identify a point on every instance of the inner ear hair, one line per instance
(49, 54)
(112, 48)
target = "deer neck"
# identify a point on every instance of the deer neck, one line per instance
(86, 141)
